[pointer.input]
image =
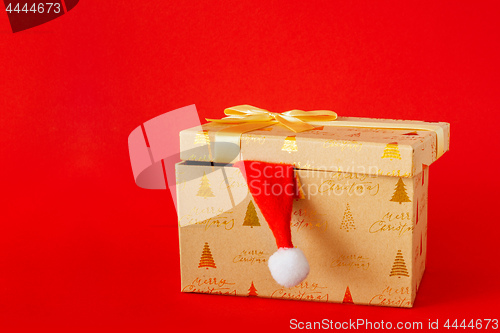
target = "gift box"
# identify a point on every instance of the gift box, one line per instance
(359, 210)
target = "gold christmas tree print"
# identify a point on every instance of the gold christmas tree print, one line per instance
(290, 144)
(202, 138)
(399, 266)
(400, 194)
(300, 192)
(252, 291)
(391, 151)
(347, 296)
(251, 218)
(347, 221)
(205, 190)
(206, 259)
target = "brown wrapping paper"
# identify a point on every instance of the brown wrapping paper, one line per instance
(364, 236)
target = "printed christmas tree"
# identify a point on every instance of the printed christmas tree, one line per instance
(205, 190)
(347, 221)
(251, 218)
(300, 192)
(206, 259)
(391, 151)
(347, 296)
(202, 138)
(400, 194)
(252, 291)
(290, 144)
(399, 266)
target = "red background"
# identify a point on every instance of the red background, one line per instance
(83, 248)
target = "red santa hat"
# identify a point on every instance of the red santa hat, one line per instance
(273, 187)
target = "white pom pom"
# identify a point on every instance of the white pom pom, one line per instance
(288, 266)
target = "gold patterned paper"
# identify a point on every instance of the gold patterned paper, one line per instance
(360, 216)
(362, 246)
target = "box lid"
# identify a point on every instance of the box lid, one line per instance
(388, 147)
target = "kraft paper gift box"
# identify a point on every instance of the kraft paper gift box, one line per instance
(361, 218)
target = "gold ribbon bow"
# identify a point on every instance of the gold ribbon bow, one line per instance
(295, 120)
(248, 118)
